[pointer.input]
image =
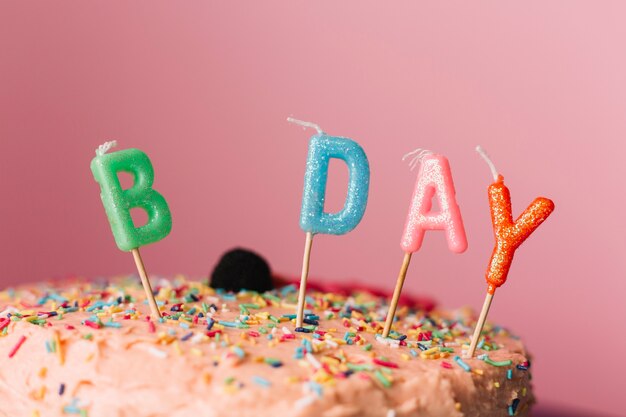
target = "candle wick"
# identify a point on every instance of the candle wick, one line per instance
(416, 157)
(104, 148)
(306, 124)
(492, 167)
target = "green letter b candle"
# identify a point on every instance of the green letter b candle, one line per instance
(118, 202)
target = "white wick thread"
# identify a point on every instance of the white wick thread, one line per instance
(492, 167)
(104, 148)
(416, 157)
(306, 124)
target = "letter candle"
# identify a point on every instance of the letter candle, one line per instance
(118, 202)
(433, 180)
(313, 219)
(509, 236)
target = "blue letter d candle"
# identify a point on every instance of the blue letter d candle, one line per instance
(313, 219)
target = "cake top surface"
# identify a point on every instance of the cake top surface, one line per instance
(244, 349)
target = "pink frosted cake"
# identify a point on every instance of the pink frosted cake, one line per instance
(90, 349)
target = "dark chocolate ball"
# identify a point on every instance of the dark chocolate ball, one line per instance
(241, 269)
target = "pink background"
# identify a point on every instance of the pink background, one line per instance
(205, 89)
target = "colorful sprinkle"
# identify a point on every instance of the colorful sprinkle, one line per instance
(261, 381)
(512, 409)
(157, 352)
(239, 352)
(386, 364)
(326, 354)
(382, 379)
(17, 346)
(462, 364)
(500, 363)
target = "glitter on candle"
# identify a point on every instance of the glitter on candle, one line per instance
(510, 234)
(434, 180)
(322, 148)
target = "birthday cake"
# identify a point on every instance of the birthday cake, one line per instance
(91, 349)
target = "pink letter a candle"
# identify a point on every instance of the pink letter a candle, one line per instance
(118, 202)
(434, 180)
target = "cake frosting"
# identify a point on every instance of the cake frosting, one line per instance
(91, 349)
